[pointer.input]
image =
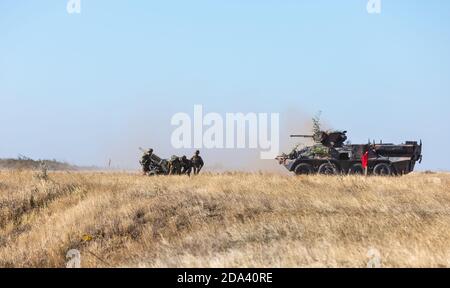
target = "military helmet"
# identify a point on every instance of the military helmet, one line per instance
(197, 152)
(150, 150)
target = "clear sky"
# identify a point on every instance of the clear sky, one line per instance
(88, 87)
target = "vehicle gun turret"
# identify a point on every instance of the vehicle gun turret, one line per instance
(327, 139)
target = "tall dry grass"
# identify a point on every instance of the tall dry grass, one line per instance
(226, 220)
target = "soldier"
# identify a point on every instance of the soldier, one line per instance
(197, 162)
(146, 161)
(174, 165)
(337, 138)
(333, 139)
(373, 151)
(186, 165)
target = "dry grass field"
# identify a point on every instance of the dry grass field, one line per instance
(223, 220)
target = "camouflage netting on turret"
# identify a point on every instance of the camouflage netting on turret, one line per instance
(320, 151)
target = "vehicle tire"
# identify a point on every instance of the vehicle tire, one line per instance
(382, 169)
(152, 173)
(328, 169)
(304, 169)
(356, 169)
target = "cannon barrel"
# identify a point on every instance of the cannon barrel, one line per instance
(302, 136)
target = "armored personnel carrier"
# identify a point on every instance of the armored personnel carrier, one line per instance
(331, 155)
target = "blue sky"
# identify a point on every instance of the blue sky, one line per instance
(88, 87)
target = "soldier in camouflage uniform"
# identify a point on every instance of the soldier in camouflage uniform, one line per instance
(197, 162)
(186, 165)
(373, 152)
(174, 165)
(146, 161)
(335, 139)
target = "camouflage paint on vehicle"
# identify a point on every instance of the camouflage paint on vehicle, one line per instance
(330, 155)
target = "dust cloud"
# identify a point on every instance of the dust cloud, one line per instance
(123, 151)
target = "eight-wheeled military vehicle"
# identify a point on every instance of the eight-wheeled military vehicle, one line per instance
(331, 155)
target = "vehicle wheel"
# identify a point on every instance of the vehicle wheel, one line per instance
(304, 169)
(382, 169)
(152, 173)
(356, 169)
(328, 169)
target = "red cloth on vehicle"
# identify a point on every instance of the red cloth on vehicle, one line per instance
(365, 160)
